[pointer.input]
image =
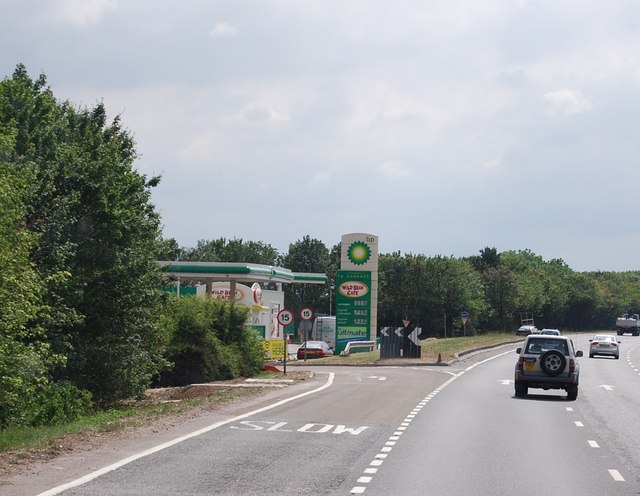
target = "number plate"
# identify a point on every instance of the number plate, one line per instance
(529, 366)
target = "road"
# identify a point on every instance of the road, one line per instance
(404, 431)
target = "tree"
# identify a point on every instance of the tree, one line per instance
(233, 250)
(95, 224)
(500, 288)
(311, 256)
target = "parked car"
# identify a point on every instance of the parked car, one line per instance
(314, 349)
(526, 330)
(550, 332)
(604, 344)
(547, 362)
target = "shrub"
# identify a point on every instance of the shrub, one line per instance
(209, 341)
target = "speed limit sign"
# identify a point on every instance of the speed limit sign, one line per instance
(306, 313)
(285, 317)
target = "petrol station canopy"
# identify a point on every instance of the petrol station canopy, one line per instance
(237, 272)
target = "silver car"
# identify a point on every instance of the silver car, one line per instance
(547, 362)
(604, 344)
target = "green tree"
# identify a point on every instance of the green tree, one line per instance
(310, 256)
(233, 250)
(91, 212)
(500, 287)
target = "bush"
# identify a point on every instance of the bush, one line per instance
(58, 403)
(210, 341)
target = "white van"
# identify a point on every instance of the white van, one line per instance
(324, 329)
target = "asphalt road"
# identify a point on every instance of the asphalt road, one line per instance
(402, 431)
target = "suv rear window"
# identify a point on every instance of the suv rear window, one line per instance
(539, 346)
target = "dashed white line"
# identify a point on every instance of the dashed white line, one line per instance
(578, 423)
(593, 444)
(617, 476)
(380, 457)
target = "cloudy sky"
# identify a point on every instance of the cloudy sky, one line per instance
(442, 126)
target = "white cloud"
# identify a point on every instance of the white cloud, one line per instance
(82, 12)
(492, 163)
(321, 179)
(567, 102)
(394, 170)
(223, 30)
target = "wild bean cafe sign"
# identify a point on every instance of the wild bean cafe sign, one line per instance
(353, 304)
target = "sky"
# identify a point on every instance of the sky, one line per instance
(441, 126)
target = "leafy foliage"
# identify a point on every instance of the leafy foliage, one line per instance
(209, 340)
(233, 250)
(310, 256)
(96, 237)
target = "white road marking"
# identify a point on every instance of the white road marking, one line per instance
(578, 423)
(110, 468)
(606, 387)
(379, 458)
(569, 408)
(616, 475)
(593, 444)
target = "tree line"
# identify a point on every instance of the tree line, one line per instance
(494, 288)
(84, 318)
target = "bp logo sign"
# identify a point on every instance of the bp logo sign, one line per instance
(359, 253)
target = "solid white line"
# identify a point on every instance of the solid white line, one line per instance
(173, 442)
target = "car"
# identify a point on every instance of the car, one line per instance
(550, 332)
(525, 330)
(314, 349)
(604, 344)
(547, 362)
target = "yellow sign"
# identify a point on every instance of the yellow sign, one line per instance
(273, 349)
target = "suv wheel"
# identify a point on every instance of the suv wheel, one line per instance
(572, 394)
(521, 390)
(552, 362)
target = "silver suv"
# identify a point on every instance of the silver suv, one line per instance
(547, 362)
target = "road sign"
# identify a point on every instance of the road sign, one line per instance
(306, 313)
(465, 317)
(285, 317)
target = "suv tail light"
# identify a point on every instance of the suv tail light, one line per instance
(572, 365)
(520, 362)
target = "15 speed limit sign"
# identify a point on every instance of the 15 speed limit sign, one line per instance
(306, 313)
(285, 317)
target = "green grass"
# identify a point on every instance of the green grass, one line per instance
(117, 419)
